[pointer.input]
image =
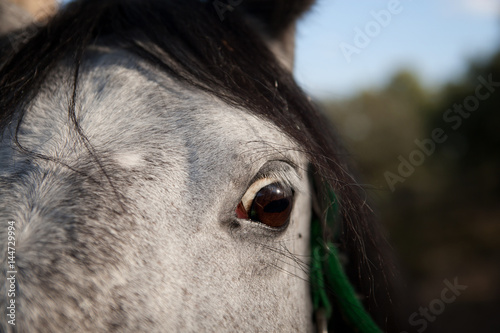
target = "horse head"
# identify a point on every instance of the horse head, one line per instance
(160, 169)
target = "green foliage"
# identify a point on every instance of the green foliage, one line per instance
(378, 125)
(473, 149)
(444, 218)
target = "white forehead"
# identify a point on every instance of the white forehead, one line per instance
(129, 111)
(182, 160)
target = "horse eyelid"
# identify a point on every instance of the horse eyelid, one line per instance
(272, 173)
(256, 186)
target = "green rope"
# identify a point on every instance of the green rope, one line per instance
(316, 274)
(325, 264)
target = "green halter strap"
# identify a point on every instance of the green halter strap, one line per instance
(326, 270)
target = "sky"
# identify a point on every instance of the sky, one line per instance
(346, 46)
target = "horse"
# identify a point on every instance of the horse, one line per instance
(161, 171)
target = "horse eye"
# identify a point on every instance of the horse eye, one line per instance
(271, 204)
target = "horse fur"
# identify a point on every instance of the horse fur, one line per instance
(125, 149)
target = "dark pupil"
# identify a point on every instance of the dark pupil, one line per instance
(272, 205)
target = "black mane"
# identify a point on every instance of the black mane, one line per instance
(228, 59)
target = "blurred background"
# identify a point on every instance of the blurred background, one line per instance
(389, 74)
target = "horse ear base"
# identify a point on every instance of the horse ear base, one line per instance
(276, 16)
(275, 20)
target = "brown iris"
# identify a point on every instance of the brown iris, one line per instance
(271, 205)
